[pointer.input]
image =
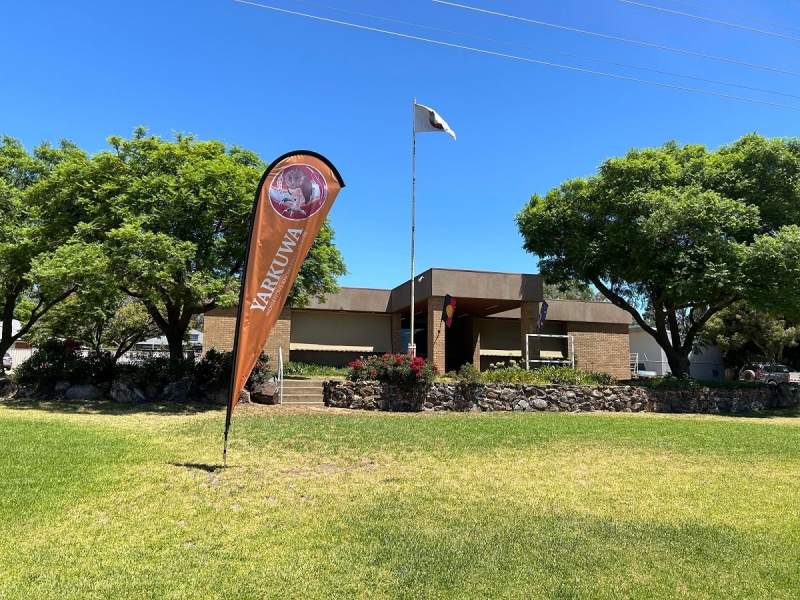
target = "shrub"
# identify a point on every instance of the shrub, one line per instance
(214, 370)
(468, 375)
(148, 370)
(57, 360)
(395, 369)
(514, 373)
(307, 370)
(668, 381)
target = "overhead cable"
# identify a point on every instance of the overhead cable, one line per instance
(535, 49)
(520, 58)
(618, 39)
(698, 17)
(730, 14)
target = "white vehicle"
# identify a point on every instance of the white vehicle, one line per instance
(7, 362)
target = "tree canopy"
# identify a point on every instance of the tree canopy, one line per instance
(675, 234)
(740, 325)
(572, 290)
(40, 265)
(170, 220)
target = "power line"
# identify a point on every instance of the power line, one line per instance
(520, 58)
(691, 16)
(730, 14)
(535, 49)
(619, 39)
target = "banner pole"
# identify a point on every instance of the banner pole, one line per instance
(412, 347)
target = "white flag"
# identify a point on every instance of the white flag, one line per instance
(427, 119)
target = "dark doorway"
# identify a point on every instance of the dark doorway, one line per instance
(457, 344)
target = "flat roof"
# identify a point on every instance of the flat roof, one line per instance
(477, 293)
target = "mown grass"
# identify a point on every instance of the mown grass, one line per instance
(102, 502)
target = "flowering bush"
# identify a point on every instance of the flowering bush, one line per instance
(395, 369)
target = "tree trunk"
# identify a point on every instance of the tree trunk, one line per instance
(175, 337)
(679, 365)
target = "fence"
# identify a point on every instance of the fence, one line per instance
(20, 355)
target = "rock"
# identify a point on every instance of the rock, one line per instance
(244, 397)
(125, 390)
(217, 398)
(8, 388)
(523, 405)
(265, 392)
(178, 391)
(62, 386)
(541, 404)
(83, 392)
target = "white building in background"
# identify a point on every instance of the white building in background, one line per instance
(160, 343)
(15, 325)
(708, 364)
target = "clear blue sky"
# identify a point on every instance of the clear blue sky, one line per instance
(272, 82)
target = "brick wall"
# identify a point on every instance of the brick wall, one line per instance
(436, 347)
(220, 326)
(602, 347)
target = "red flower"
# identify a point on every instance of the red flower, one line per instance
(374, 373)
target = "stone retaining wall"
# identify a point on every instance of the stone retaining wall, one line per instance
(555, 398)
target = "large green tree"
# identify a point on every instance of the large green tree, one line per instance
(40, 263)
(675, 234)
(741, 325)
(172, 220)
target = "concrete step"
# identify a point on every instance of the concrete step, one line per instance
(302, 391)
(302, 398)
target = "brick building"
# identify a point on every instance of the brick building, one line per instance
(494, 313)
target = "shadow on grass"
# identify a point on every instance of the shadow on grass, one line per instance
(109, 407)
(200, 466)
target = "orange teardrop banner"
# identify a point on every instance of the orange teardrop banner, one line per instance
(293, 199)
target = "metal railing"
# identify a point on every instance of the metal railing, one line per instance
(634, 362)
(280, 373)
(550, 361)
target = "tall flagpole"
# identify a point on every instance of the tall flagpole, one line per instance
(412, 347)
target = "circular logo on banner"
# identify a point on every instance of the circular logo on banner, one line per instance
(298, 191)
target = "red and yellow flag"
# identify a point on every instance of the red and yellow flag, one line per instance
(449, 310)
(293, 199)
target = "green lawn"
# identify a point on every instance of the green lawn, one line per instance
(102, 502)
